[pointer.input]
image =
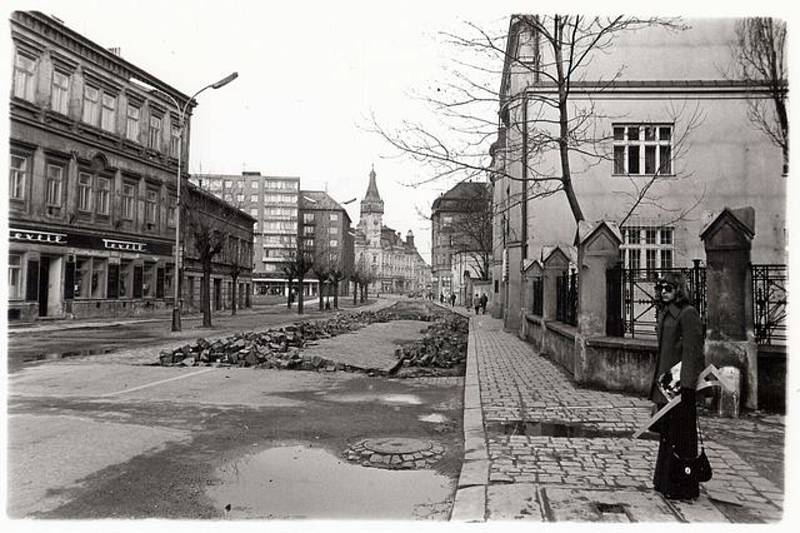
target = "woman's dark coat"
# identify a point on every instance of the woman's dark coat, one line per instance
(680, 339)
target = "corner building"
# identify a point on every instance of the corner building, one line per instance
(92, 175)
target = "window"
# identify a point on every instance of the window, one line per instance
(125, 279)
(308, 243)
(91, 105)
(18, 177)
(128, 201)
(334, 217)
(643, 149)
(171, 213)
(15, 276)
(308, 230)
(154, 139)
(254, 185)
(59, 94)
(447, 220)
(174, 142)
(103, 194)
(334, 243)
(333, 231)
(240, 197)
(84, 191)
(254, 212)
(23, 77)
(108, 117)
(254, 198)
(653, 244)
(149, 280)
(132, 123)
(151, 206)
(308, 218)
(55, 177)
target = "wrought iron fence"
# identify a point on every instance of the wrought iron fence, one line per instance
(631, 303)
(769, 303)
(567, 298)
(538, 296)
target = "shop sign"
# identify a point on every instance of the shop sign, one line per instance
(126, 246)
(44, 237)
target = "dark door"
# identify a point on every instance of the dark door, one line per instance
(44, 282)
(217, 294)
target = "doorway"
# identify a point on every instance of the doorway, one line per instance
(217, 294)
(44, 285)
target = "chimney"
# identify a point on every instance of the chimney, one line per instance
(410, 239)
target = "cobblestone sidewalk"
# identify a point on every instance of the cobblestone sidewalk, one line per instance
(559, 452)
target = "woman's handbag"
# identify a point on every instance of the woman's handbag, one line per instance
(687, 470)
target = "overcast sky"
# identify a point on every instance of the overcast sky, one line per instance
(310, 76)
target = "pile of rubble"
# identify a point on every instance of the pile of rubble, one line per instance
(443, 346)
(280, 348)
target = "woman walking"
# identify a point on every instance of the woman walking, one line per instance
(680, 340)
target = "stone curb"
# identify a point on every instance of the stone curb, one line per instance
(470, 498)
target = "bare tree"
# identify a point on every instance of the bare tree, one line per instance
(240, 259)
(471, 229)
(206, 236)
(542, 118)
(301, 263)
(760, 55)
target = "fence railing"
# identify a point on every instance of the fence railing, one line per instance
(769, 303)
(567, 298)
(631, 303)
(538, 296)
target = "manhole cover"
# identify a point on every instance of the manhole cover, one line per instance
(395, 452)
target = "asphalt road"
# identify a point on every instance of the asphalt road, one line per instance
(108, 437)
(51, 341)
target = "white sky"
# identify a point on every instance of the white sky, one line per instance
(310, 76)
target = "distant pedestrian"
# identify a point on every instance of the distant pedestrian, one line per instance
(477, 301)
(441, 298)
(680, 340)
(484, 300)
(452, 299)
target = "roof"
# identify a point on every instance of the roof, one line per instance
(467, 190)
(194, 189)
(318, 201)
(372, 202)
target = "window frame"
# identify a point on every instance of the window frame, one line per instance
(151, 207)
(630, 152)
(59, 95)
(108, 113)
(54, 187)
(133, 122)
(154, 132)
(128, 202)
(26, 75)
(90, 113)
(18, 177)
(102, 198)
(84, 192)
(16, 290)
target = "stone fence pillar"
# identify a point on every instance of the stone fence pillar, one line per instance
(598, 250)
(533, 271)
(730, 340)
(555, 263)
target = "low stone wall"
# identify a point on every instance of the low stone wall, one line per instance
(772, 378)
(117, 308)
(613, 364)
(559, 343)
(617, 364)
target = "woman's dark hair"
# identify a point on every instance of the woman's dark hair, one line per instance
(677, 280)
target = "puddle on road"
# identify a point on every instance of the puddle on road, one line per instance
(64, 355)
(559, 430)
(436, 418)
(302, 482)
(408, 399)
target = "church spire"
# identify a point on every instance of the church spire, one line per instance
(372, 202)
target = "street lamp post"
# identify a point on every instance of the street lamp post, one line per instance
(177, 300)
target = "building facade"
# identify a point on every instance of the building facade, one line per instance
(325, 231)
(92, 175)
(394, 265)
(273, 202)
(211, 220)
(461, 238)
(670, 146)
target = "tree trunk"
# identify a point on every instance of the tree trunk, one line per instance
(563, 119)
(206, 291)
(321, 304)
(355, 293)
(300, 296)
(336, 293)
